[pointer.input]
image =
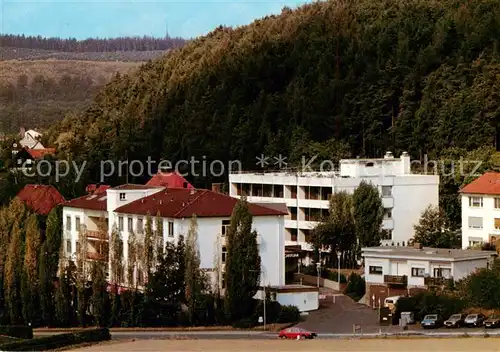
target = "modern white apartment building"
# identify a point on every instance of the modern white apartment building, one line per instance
(306, 194)
(395, 271)
(481, 210)
(126, 208)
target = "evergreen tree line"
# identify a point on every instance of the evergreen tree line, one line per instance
(145, 43)
(357, 77)
(161, 284)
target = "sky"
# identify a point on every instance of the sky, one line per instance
(113, 18)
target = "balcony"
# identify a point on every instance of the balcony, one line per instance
(99, 235)
(95, 256)
(437, 281)
(395, 280)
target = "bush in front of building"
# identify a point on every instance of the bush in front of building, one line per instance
(18, 331)
(356, 287)
(430, 303)
(288, 314)
(325, 273)
(58, 341)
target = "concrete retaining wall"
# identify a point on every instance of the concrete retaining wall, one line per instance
(313, 281)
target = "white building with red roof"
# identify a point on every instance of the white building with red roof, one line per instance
(481, 210)
(128, 206)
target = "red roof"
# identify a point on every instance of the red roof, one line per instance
(96, 189)
(89, 201)
(184, 203)
(40, 153)
(132, 187)
(169, 180)
(40, 198)
(488, 183)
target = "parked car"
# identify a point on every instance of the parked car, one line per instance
(474, 320)
(294, 333)
(455, 321)
(493, 321)
(431, 321)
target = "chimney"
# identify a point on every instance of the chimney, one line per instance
(216, 187)
(418, 246)
(388, 155)
(22, 132)
(193, 191)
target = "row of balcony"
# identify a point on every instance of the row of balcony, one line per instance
(428, 281)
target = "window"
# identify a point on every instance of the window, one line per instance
(497, 203)
(386, 191)
(68, 223)
(387, 213)
(278, 191)
(77, 247)
(293, 192)
(225, 227)
(475, 222)
(293, 213)
(223, 280)
(77, 223)
(123, 196)
(140, 225)
(476, 202)
(130, 226)
(170, 229)
(68, 246)
(293, 235)
(442, 272)
(417, 272)
(375, 270)
(224, 254)
(120, 223)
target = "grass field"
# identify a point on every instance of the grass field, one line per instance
(382, 345)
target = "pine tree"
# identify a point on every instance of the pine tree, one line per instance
(30, 286)
(99, 294)
(48, 264)
(243, 263)
(64, 297)
(368, 215)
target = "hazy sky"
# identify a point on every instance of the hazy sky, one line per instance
(112, 18)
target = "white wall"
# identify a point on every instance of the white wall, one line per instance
(304, 301)
(465, 268)
(487, 212)
(113, 196)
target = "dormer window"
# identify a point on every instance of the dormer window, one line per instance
(123, 196)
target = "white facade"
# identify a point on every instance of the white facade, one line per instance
(31, 140)
(480, 219)
(405, 196)
(419, 264)
(210, 232)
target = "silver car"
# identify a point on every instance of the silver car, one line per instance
(474, 320)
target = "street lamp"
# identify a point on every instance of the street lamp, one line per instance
(265, 296)
(318, 269)
(338, 272)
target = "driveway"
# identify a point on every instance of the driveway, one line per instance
(338, 313)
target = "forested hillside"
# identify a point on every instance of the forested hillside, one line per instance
(43, 79)
(359, 77)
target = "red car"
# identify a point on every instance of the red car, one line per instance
(294, 333)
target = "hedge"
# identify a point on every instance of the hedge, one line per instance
(19, 331)
(57, 341)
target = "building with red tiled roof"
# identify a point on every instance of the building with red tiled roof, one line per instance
(169, 180)
(184, 203)
(40, 198)
(126, 208)
(481, 210)
(96, 189)
(40, 153)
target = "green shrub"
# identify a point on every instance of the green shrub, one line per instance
(19, 331)
(288, 314)
(430, 303)
(245, 323)
(356, 287)
(58, 341)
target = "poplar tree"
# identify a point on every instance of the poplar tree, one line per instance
(49, 263)
(30, 287)
(13, 275)
(82, 274)
(99, 294)
(194, 278)
(243, 263)
(149, 249)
